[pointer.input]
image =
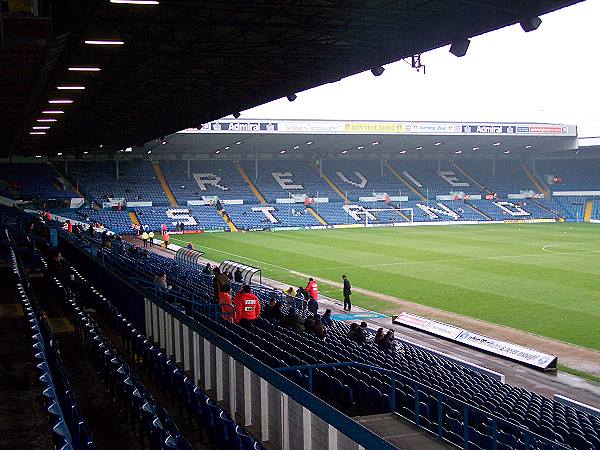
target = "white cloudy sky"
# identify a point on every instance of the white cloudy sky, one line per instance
(549, 75)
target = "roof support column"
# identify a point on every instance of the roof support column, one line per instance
(117, 169)
(533, 167)
(320, 166)
(381, 165)
(188, 164)
(66, 166)
(493, 164)
(256, 165)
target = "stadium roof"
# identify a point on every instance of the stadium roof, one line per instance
(231, 138)
(183, 63)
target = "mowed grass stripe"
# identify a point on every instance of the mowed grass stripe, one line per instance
(497, 273)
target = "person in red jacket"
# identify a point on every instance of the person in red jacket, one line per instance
(227, 308)
(313, 289)
(247, 306)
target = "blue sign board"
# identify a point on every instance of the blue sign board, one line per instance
(358, 317)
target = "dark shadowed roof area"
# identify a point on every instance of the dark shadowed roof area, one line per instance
(184, 63)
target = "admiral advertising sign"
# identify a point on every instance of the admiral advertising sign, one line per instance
(487, 344)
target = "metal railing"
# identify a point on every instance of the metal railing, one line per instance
(529, 437)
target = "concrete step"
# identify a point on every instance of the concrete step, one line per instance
(401, 432)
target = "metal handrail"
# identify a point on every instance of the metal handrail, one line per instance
(440, 396)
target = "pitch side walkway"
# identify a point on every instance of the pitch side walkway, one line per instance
(546, 384)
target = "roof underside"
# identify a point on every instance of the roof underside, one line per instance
(185, 63)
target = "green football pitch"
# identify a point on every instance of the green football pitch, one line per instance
(542, 278)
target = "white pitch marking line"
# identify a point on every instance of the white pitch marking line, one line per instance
(277, 233)
(584, 253)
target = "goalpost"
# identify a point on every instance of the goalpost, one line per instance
(403, 214)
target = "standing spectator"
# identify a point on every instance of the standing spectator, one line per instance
(163, 228)
(237, 276)
(326, 318)
(313, 289)
(144, 238)
(151, 238)
(347, 294)
(227, 308)
(161, 280)
(58, 265)
(313, 306)
(378, 337)
(247, 307)
(206, 270)
(189, 246)
(166, 239)
(302, 294)
(219, 280)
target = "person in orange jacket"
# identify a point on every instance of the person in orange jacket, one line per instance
(313, 289)
(227, 307)
(247, 306)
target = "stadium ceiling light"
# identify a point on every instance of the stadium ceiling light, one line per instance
(282, 152)
(70, 88)
(46, 120)
(37, 132)
(506, 152)
(475, 148)
(459, 48)
(38, 156)
(85, 153)
(103, 42)
(238, 142)
(101, 145)
(292, 97)
(528, 146)
(236, 115)
(40, 128)
(149, 151)
(377, 71)
(360, 147)
(531, 24)
(60, 102)
(217, 152)
(59, 154)
(402, 152)
(344, 152)
(309, 143)
(227, 148)
(53, 111)
(458, 152)
(437, 143)
(128, 149)
(85, 69)
(296, 147)
(375, 143)
(496, 144)
(135, 2)
(419, 148)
